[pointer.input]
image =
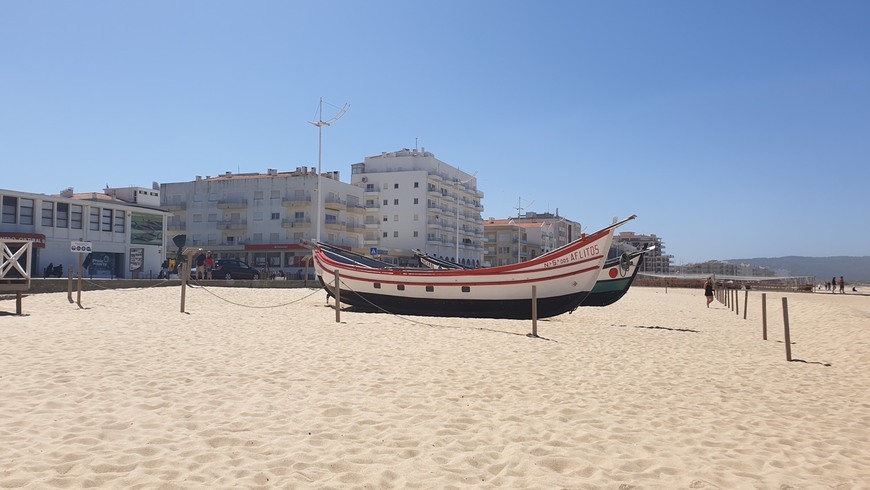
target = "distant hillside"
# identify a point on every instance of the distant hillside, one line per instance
(854, 269)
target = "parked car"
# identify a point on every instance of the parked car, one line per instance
(234, 269)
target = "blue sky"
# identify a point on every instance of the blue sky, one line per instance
(733, 129)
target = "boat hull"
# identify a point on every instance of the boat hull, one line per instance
(517, 309)
(612, 283)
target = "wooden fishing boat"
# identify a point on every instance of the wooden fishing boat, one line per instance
(613, 282)
(562, 279)
(615, 278)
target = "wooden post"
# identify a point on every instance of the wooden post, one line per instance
(337, 297)
(785, 323)
(534, 311)
(764, 316)
(745, 303)
(69, 286)
(79, 295)
(736, 301)
(18, 309)
(184, 275)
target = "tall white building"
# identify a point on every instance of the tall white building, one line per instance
(415, 201)
(261, 218)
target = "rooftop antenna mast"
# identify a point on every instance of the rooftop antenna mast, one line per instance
(519, 227)
(320, 123)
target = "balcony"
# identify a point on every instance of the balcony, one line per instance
(176, 206)
(240, 224)
(296, 223)
(356, 209)
(335, 204)
(232, 204)
(296, 202)
(336, 225)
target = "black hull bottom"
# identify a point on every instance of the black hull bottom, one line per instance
(604, 298)
(505, 309)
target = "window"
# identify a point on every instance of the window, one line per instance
(396, 202)
(95, 219)
(385, 234)
(273, 238)
(416, 200)
(386, 202)
(276, 194)
(395, 217)
(212, 217)
(395, 186)
(231, 240)
(47, 214)
(258, 195)
(416, 234)
(416, 217)
(26, 211)
(299, 215)
(386, 218)
(258, 238)
(197, 218)
(120, 221)
(10, 211)
(76, 217)
(106, 220)
(416, 185)
(395, 234)
(276, 216)
(62, 215)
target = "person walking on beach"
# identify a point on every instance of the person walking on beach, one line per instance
(708, 290)
(834, 284)
(209, 265)
(200, 266)
(842, 285)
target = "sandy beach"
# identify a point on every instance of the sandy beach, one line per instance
(262, 388)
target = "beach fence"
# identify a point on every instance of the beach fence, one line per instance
(728, 294)
(15, 268)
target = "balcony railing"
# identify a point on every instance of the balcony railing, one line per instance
(296, 223)
(232, 224)
(293, 202)
(232, 204)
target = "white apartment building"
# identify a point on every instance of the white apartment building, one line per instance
(261, 218)
(125, 226)
(415, 201)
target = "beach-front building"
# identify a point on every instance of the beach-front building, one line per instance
(261, 218)
(513, 240)
(125, 226)
(415, 201)
(655, 261)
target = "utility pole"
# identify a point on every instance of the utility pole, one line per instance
(320, 123)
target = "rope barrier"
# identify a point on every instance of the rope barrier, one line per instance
(313, 292)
